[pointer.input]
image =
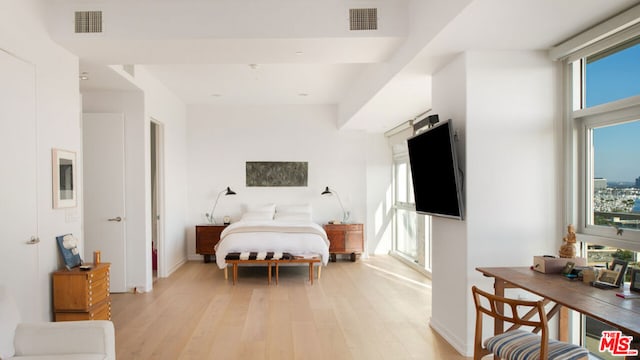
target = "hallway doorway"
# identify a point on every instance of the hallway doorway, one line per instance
(157, 192)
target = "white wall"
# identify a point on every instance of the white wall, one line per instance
(165, 108)
(506, 103)
(379, 177)
(23, 33)
(131, 104)
(155, 102)
(449, 237)
(222, 139)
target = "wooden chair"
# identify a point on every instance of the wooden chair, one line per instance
(516, 343)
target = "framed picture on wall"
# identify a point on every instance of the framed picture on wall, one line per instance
(63, 164)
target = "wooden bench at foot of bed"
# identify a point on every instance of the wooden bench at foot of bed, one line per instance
(295, 260)
(310, 261)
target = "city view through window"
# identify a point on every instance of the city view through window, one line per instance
(610, 76)
(616, 184)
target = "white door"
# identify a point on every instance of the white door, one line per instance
(104, 193)
(18, 188)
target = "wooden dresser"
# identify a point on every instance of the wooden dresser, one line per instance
(207, 236)
(345, 239)
(82, 294)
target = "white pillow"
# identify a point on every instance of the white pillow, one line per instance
(291, 216)
(262, 208)
(296, 209)
(257, 216)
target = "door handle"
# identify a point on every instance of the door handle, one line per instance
(116, 219)
(34, 240)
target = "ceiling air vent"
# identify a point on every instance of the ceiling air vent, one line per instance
(363, 19)
(88, 22)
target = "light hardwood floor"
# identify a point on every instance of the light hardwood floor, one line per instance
(371, 309)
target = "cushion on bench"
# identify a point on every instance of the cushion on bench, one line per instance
(254, 255)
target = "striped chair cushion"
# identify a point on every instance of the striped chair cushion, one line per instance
(523, 345)
(254, 255)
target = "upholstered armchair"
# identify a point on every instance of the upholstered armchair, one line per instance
(86, 340)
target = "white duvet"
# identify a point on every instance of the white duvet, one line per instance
(295, 237)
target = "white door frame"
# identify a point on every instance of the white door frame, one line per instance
(159, 159)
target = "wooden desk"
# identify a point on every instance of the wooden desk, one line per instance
(600, 304)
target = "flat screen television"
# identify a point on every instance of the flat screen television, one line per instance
(435, 173)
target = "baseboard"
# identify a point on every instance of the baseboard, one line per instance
(176, 266)
(459, 345)
(407, 261)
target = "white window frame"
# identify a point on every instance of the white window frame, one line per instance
(578, 125)
(584, 122)
(400, 153)
(401, 158)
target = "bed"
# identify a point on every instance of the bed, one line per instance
(267, 230)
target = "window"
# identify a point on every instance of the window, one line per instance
(612, 74)
(602, 155)
(616, 176)
(411, 240)
(606, 118)
(405, 229)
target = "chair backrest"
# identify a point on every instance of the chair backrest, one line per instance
(521, 313)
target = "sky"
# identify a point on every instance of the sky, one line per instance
(617, 148)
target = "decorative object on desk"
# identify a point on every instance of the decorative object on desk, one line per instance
(619, 266)
(68, 246)
(568, 268)
(277, 173)
(625, 294)
(552, 265)
(568, 248)
(209, 215)
(608, 278)
(635, 280)
(63, 164)
(588, 275)
(226, 220)
(345, 214)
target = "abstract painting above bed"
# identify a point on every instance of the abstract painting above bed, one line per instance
(296, 236)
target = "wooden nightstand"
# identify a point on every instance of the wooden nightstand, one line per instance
(207, 236)
(345, 239)
(82, 295)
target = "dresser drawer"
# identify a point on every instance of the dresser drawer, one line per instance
(77, 290)
(101, 311)
(98, 291)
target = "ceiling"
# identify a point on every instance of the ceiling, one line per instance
(274, 52)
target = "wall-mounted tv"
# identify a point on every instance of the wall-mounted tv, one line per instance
(435, 173)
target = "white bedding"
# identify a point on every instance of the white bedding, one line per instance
(295, 237)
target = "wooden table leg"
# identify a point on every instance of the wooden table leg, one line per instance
(235, 273)
(319, 270)
(269, 272)
(277, 271)
(311, 273)
(563, 324)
